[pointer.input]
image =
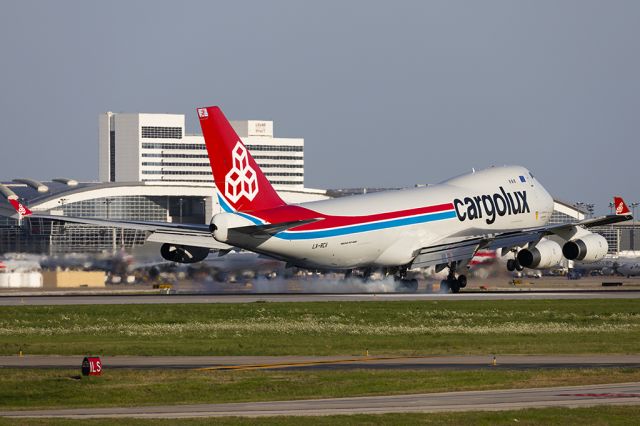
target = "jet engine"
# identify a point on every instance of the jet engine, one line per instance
(588, 248)
(545, 254)
(183, 254)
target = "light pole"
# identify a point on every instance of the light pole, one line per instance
(590, 209)
(611, 205)
(633, 226)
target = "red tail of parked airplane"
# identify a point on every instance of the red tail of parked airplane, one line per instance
(620, 205)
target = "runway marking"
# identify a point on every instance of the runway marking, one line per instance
(304, 363)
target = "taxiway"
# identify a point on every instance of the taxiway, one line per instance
(492, 400)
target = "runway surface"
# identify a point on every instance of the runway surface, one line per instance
(517, 362)
(567, 396)
(6, 300)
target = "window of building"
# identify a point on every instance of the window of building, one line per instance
(112, 156)
(157, 132)
(167, 155)
(150, 145)
(170, 164)
(281, 148)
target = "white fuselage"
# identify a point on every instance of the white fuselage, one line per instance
(493, 200)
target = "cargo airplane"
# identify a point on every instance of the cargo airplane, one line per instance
(441, 225)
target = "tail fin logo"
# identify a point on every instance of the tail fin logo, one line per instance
(22, 210)
(621, 206)
(241, 179)
(202, 113)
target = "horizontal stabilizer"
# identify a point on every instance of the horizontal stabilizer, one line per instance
(269, 230)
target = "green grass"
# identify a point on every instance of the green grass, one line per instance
(326, 328)
(31, 388)
(621, 415)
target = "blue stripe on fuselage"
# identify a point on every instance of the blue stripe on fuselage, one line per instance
(251, 218)
(226, 207)
(324, 233)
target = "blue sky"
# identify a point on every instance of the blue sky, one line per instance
(384, 93)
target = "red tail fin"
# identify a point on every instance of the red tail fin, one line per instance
(22, 210)
(620, 205)
(241, 184)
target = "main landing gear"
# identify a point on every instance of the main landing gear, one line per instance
(514, 265)
(402, 279)
(452, 282)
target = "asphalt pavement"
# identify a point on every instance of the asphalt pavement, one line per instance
(458, 362)
(128, 299)
(492, 400)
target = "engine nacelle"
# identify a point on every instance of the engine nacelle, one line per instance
(589, 248)
(183, 254)
(545, 254)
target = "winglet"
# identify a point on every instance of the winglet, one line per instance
(21, 209)
(621, 206)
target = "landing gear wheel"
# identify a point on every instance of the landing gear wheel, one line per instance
(410, 286)
(462, 281)
(452, 282)
(514, 265)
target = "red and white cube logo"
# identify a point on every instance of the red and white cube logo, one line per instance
(202, 113)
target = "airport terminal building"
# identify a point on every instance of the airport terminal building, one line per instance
(155, 148)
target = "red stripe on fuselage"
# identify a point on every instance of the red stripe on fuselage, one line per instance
(291, 213)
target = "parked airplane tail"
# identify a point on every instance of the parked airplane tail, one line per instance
(21, 209)
(620, 206)
(240, 183)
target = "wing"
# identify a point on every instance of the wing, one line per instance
(197, 235)
(461, 249)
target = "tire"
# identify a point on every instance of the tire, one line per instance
(519, 267)
(511, 265)
(410, 286)
(455, 287)
(462, 281)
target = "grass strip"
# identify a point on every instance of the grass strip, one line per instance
(35, 388)
(326, 328)
(602, 415)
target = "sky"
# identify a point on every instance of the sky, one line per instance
(385, 94)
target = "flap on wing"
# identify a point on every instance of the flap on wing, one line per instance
(446, 253)
(509, 240)
(464, 250)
